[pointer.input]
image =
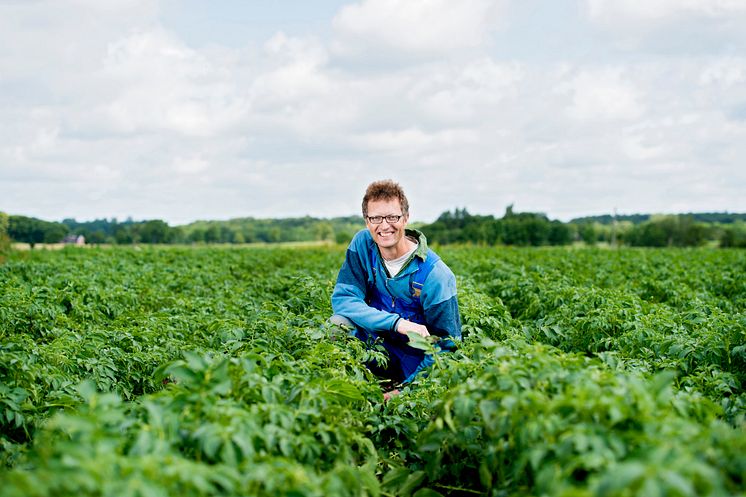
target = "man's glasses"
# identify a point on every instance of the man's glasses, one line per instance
(379, 219)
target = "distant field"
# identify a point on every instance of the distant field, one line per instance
(40, 246)
(211, 371)
(58, 246)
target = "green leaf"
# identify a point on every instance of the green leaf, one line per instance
(342, 390)
(414, 480)
(427, 492)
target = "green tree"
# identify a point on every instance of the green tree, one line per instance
(588, 233)
(154, 231)
(342, 237)
(25, 229)
(177, 235)
(212, 234)
(197, 236)
(226, 234)
(274, 235)
(689, 232)
(123, 234)
(669, 231)
(54, 232)
(559, 233)
(323, 231)
(4, 240)
(32, 231)
(96, 237)
(734, 235)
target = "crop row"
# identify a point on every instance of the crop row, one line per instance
(650, 310)
(213, 372)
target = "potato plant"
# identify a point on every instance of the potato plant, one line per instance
(212, 371)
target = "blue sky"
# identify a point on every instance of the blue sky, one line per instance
(186, 110)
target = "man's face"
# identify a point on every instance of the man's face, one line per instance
(386, 235)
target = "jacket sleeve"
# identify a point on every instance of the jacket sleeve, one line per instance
(348, 298)
(440, 303)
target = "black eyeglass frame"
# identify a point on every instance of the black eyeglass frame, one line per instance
(392, 219)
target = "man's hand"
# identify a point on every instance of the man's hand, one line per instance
(404, 327)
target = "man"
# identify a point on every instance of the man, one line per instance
(391, 284)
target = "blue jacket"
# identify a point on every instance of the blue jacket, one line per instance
(363, 285)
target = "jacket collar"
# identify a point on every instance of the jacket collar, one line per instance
(418, 235)
(420, 252)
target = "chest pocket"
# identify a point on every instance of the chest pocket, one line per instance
(410, 309)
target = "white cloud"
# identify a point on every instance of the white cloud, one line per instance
(640, 148)
(414, 140)
(604, 94)
(609, 11)
(52, 41)
(159, 83)
(416, 26)
(119, 110)
(461, 92)
(726, 72)
(296, 73)
(190, 165)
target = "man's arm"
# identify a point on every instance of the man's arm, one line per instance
(348, 298)
(440, 303)
(403, 326)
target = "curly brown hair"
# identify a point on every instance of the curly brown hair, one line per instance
(385, 190)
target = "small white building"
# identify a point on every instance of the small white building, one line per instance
(74, 240)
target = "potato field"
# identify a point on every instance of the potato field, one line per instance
(196, 371)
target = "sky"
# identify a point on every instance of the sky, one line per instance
(191, 109)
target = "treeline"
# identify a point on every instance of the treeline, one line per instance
(674, 230)
(33, 231)
(702, 217)
(457, 226)
(251, 230)
(522, 228)
(534, 229)
(4, 239)
(244, 230)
